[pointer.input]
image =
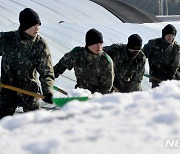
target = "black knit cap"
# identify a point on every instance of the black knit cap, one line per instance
(134, 42)
(93, 36)
(28, 18)
(168, 29)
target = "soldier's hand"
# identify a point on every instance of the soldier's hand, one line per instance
(48, 98)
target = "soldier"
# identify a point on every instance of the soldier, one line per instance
(24, 53)
(129, 64)
(164, 56)
(93, 68)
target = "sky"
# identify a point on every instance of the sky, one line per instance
(143, 122)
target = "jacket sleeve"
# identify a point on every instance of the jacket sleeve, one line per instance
(66, 62)
(135, 83)
(107, 76)
(147, 49)
(175, 64)
(1, 43)
(112, 49)
(45, 70)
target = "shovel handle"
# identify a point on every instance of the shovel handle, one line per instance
(153, 78)
(30, 93)
(60, 90)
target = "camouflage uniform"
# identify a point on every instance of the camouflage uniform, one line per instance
(164, 60)
(93, 71)
(21, 60)
(128, 71)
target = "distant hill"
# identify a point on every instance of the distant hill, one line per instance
(153, 6)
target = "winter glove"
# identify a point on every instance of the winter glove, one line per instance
(48, 98)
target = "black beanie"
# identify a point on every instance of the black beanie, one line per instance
(168, 29)
(28, 18)
(93, 36)
(134, 42)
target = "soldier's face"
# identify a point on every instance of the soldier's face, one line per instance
(96, 48)
(33, 31)
(169, 38)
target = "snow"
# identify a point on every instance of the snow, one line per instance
(138, 122)
(128, 123)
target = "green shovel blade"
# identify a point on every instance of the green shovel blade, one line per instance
(62, 101)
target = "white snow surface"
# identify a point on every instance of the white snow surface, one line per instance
(127, 123)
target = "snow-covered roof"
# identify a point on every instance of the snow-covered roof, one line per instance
(65, 23)
(54, 11)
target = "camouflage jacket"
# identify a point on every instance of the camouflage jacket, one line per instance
(93, 72)
(22, 59)
(164, 59)
(128, 71)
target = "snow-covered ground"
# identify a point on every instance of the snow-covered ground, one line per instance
(136, 123)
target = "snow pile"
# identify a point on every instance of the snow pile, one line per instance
(139, 122)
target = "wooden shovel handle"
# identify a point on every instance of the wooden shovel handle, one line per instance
(30, 93)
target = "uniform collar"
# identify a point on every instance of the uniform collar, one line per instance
(24, 36)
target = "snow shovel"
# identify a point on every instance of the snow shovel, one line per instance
(58, 101)
(62, 101)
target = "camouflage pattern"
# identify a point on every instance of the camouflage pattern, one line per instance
(93, 71)
(164, 60)
(128, 71)
(21, 60)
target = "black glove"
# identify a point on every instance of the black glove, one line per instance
(48, 98)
